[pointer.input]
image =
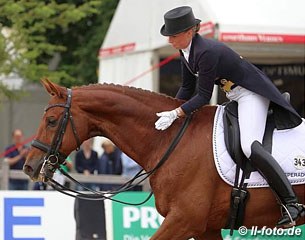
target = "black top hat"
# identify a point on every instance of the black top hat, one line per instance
(178, 20)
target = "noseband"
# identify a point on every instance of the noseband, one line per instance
(54, 157)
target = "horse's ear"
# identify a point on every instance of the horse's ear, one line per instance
(52, 88)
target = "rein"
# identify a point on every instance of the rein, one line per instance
(54, 159)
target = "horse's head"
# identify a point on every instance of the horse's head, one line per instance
(58, 134)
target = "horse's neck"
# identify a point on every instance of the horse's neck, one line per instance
(127, 116)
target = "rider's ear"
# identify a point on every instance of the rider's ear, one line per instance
(52, 88)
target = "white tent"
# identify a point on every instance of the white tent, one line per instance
(264, 31)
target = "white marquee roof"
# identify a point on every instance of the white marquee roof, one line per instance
(136, 23)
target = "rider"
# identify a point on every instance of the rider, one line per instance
(209, 62)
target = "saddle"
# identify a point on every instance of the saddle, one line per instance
(240, 194)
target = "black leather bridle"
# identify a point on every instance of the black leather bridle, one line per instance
(54, 157)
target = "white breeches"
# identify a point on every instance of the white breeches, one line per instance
(252, 115)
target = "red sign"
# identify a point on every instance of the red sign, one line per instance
(261, 38)
(206, 28)
(105, 52)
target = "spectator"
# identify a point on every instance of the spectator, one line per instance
(110, 163)
(129, 169)
(15, 157)
(86, 161)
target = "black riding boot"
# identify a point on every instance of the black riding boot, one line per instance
(277, 180)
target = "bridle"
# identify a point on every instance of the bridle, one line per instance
(54, 157)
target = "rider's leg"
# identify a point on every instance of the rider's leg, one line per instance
(278, 181)
(252, 110)
(252, 115)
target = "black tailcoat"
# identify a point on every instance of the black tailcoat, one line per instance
(212, 60)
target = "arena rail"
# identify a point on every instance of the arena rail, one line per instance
(6, 174)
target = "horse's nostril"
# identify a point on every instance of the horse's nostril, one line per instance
(28, 170)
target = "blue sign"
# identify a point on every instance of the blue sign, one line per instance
(10, 220)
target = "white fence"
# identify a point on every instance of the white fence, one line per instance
(6, 174)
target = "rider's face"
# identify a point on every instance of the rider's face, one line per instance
(181, 40)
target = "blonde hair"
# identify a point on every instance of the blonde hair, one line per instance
(107, 142)
(196, 28)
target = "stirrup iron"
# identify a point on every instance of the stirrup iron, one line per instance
(301, 212)
(292, 222)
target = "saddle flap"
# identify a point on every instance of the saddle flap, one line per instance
(232, 136)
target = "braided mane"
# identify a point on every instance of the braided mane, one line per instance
(127, 90)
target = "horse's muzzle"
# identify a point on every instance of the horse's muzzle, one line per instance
(28, 170)
(38, 172)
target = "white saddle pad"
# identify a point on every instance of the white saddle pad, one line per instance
(288, 149)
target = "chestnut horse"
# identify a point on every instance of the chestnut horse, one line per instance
(188, 191)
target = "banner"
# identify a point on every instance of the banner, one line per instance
(132, 222)
(36, 215)
(49, 215)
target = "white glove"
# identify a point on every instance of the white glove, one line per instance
(166, 119)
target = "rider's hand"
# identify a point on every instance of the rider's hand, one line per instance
(166, 119)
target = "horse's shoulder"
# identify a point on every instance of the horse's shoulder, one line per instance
(208, 110)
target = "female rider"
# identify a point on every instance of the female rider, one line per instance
(209, 62)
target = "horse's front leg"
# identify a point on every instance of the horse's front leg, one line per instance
(174, 227)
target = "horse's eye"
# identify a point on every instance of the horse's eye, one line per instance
(51, 122)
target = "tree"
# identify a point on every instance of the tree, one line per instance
(83, 41)
(59, 39)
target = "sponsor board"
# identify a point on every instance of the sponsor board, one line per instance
(132, 222)
(36, 215)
